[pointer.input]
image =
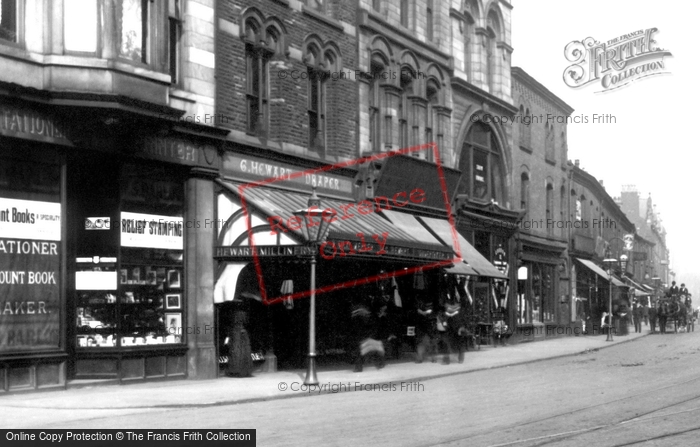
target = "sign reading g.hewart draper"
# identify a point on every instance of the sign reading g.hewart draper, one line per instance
(616, 62)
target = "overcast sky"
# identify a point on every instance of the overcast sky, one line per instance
(652, 143)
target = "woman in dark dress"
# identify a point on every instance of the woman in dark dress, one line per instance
(240, 362)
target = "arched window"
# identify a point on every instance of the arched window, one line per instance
(376, 70)
(319, 63)
(549, 142)
(432, 121)
(470, 14)
(260, 45)
(525, 194)
(549, 208)
(493, 34)
(562, 211)
(481, 165)
(429, 20)
(404, 109)
(403, 12)
(562, 142)
(524, 126)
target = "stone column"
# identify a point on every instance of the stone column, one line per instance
(202, 362)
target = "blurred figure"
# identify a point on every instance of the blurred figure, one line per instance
(637, 317)
(365, 339)
(240, 362)
(652, 318)
(426, 329)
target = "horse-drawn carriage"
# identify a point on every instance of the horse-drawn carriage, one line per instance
(676, 309)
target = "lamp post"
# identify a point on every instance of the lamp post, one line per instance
(610, 262)
(314, 226)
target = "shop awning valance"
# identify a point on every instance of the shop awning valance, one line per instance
(476, 261)
(600, 272)
(351, 224)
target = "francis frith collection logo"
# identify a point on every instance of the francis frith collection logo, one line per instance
(614, 63)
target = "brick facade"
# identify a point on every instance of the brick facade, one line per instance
(288, 125)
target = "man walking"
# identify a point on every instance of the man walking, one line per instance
(652, 318)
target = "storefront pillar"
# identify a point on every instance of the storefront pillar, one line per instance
(202, 362)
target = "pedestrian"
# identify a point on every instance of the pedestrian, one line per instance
(426, 328)
(652, 318)
(637, 317)
(365, 340)
(240, 361)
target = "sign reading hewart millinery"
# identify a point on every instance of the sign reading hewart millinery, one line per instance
(616, 63)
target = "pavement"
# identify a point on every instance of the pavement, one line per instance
(289, 384)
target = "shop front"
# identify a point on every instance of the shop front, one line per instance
(592, 296)
(99, 221)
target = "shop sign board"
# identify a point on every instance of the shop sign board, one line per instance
(254, 168)
(151, 231)
(30, 254)
(24, 123)
(177, 150)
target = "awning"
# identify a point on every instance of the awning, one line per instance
(647, 288)
(370, 229)
(638, 292)
(635, 284)
(600, 272)
(410, 224)
(476, 261)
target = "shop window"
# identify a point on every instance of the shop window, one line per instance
(480, 159)
(141, 300)
(80, 20)
(134, 30)
(9, 20)
(174, 37)
(31, 248)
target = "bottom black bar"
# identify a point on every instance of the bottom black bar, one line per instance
(234, 437)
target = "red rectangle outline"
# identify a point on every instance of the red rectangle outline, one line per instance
(369, 279)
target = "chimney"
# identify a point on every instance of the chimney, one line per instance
(576, 163)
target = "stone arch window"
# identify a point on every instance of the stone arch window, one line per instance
(429, 21)
(549, 208)
(525, 127)
(481, 164)
(406, 119)
(321, 59)
(563, 148)
(432, 120)
(471, 15)
(562, 210)
(525, 194)
(493, 29)
(378, 66)
(263, 39)
(403, 12)
(549, 142)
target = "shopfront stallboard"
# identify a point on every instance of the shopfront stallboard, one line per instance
(20, 122)
(243, 167)
(404, 173)
(30, 254)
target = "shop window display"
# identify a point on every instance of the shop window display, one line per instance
(129, 268)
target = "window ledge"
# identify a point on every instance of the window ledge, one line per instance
(322, 17)
(525, 149)
(550, 161)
